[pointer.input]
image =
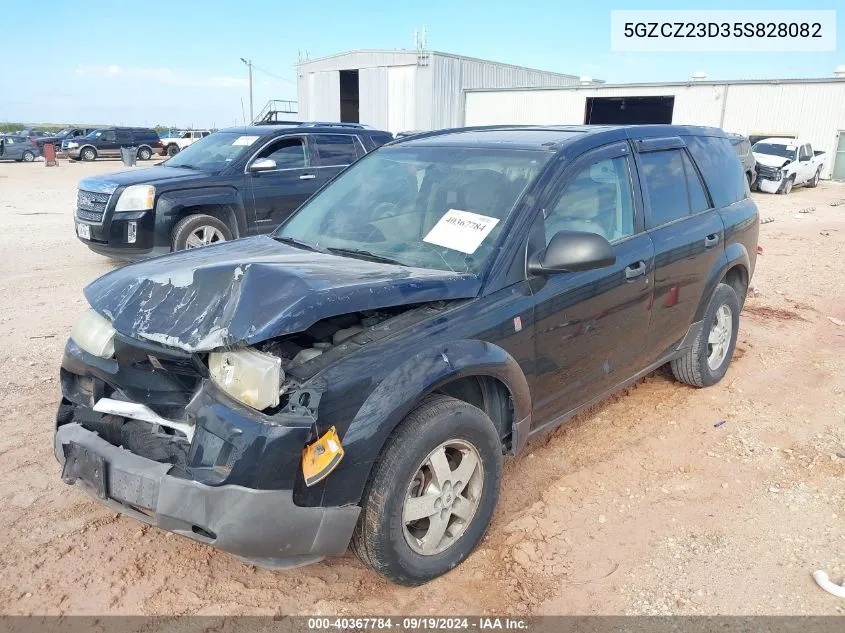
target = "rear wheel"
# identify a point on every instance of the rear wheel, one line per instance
(707, 360)
(199, 230)
(144, 153)
(432, 492)
(88, 153)
(28, 156)
(814, 182)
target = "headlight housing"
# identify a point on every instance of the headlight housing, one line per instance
(94, 333)
(249, 376)
(136, 198)
(72, 145)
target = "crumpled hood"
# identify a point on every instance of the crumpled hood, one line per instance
(770, 160)
(250, 290)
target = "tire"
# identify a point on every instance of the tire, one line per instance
(382, 540)
(145, 153)
(88, 153)
(189, 226)
(786, 187)
(28, 157)
(172, 150)
(814, 182)
(698, 366)
(750, 180)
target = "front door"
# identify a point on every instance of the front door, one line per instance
(688, 237)
(278, 192)
(591, 327)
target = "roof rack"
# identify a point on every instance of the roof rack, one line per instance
(359, 126)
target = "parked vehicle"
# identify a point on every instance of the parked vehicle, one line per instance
(68, 133)
(182, 138)
(742, 147)
(359, 374)
(19, 148)
(233, 183)
(106, 143)
(783, 163)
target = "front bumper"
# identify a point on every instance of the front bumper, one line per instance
(234, 486)
(69, 152)
(262, 527)
(768, 186)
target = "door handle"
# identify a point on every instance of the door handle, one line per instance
(307, 176)
(711, 240)
(635, 270)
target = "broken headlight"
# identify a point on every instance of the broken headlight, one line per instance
(136, 198)
(248, 375)
(94, 333)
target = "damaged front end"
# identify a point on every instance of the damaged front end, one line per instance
(162, 423)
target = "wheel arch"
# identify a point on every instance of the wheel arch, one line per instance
(223, 203)
(734, 269)
(89, 146)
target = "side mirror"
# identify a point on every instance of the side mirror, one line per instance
(263, 164)
(572, 251)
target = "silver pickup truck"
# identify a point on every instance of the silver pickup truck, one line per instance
(783, 163)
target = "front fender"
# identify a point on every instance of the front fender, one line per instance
(403, 388)
(223, 202)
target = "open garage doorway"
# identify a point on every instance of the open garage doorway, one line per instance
(628, 110)
(349, 96)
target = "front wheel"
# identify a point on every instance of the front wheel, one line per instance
(199, 230)
(706, 362)
(814, 182)
(89, 153)
(432, 493)
(786, 187)
(172, 150)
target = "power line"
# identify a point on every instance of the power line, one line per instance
(267, 72)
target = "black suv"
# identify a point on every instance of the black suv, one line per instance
(358, 375)
(233, 183)
(106, 143)
(67, 134)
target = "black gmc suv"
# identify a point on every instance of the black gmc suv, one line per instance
(358, 375)
(106, 143)
(233, 183)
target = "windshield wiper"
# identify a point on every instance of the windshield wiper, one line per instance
(295, 242)
(362, 254)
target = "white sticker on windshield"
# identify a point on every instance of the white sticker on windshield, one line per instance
(461, 230)
(245, 140)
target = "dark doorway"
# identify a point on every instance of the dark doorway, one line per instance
(349, 96)
(628, 110)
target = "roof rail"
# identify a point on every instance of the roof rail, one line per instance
(449, 130)
(359, 126)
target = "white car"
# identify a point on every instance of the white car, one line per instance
(175, 144)
(783, 163)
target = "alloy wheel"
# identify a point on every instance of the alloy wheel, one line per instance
(203, 236)
(719, 339)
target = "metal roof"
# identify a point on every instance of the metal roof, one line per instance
(669, 84)
(414, 53)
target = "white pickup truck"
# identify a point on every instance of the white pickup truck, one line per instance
(783, 163)
(177, 140)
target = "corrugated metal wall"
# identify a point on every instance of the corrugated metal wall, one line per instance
(814, 111)
(401, 98)
(323, 97)
(373, 105)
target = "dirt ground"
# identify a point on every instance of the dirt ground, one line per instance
(641, 506)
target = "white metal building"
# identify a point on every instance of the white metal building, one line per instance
(405, 90)
(813, 109)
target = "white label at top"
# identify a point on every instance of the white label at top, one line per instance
(462, 231)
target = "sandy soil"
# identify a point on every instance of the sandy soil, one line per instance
(640, 506)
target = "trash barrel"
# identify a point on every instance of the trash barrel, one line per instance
(129, 155)
(49, 155)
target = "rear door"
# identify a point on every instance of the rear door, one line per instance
(335, 152)
(687, 233)
(591, 327)
(278, 192)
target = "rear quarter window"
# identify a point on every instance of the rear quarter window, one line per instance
(720, 167)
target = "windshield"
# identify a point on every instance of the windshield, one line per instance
(772, 149)
(429, 207)
(64, 132)
(214, 152)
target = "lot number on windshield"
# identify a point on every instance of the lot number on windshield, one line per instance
(462, 231)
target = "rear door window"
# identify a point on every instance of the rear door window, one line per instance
(720, 167)
(336, 149)
(674, 189)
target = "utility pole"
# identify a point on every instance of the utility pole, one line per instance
(249, 65)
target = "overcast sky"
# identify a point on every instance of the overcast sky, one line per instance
(178, 63)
